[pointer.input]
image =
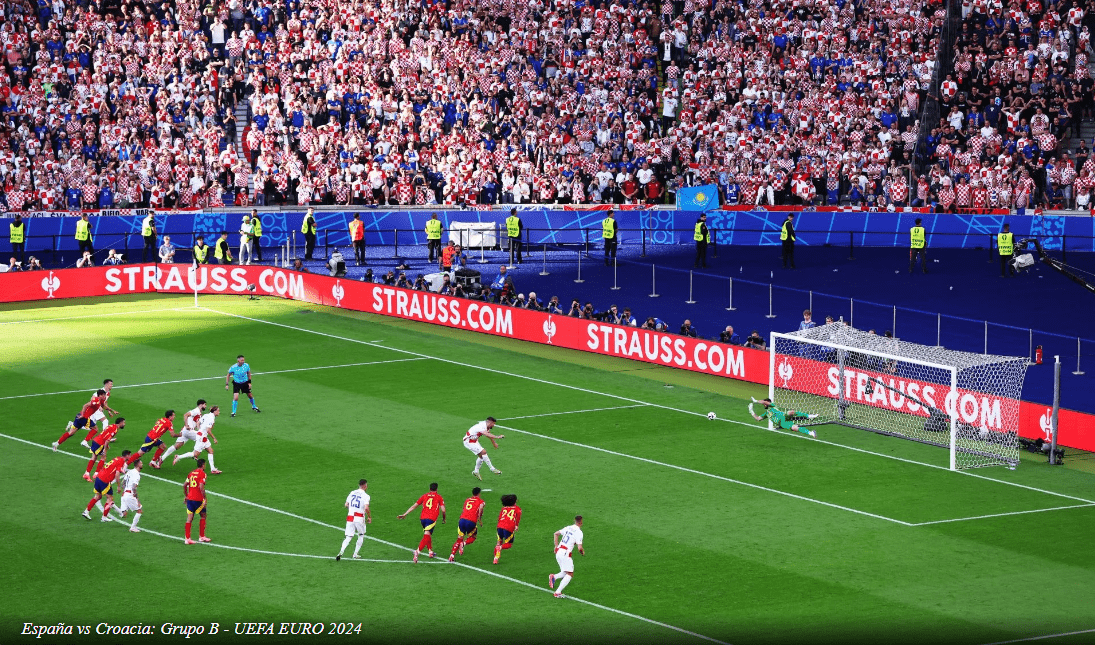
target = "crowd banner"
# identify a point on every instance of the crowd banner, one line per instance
(741, 226)
(1077, 430)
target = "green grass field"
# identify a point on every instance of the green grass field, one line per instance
(695, 530)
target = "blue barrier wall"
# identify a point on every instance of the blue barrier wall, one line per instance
(546, 226)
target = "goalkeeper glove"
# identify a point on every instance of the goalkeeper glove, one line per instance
(754, 400)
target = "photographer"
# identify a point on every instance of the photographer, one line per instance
(553, 306)
(368, 277)
(420, 283)
(755, 341)
(729, 337)
(688, 330)
(575, 309)
(113, 259)
(533, 302)
(389, 278)
(446, 286)
(487, 295)
(588, 313)
(403, 282)
(458, 290)
(33, 264)
(650, 324)
(612, 316)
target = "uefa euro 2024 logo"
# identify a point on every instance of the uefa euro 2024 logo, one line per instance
(50, 284)
(338, 292)
(785, 372)
(549, 328)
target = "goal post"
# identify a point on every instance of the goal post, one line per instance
(965, 402)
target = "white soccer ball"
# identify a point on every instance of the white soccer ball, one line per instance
(711, 416)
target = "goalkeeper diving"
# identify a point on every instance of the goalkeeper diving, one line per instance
(785, 420)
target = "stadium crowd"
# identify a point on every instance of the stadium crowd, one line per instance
(119, 103)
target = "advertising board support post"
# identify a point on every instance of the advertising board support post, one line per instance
(939, 330)
(1056, 409)
(653, 287)
(579, 280)
(1078, 371)
(615, 287)
(690, 301)
(543, 255)
(770, 314)
(731, 307)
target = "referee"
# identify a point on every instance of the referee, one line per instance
(240, 376)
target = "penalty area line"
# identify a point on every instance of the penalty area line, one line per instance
(982, 517)
(552, 414)
(394, 545)
(218, 378)
(112, 313)
(793, 436)
(1047, 636)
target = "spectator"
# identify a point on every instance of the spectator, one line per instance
(503, 279)
(728, 336)
(687, 329)
(807, 321)
(167, 251)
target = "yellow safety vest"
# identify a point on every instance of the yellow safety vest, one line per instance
(200, 252)
(1005, 242)
(608, 228)
(304, 225)
(222, 250)
(513, 226)
(698, 235)
(433, 229)
(257, 223)
(82, 230)
(15, 233)
(146, 227)
(916, 237)
(783, 235)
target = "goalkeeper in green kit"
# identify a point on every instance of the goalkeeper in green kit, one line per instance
(782, 419)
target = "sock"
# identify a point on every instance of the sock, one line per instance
(803, 430)
(185, 455)
(497, 551)
(91, 504)
(99, 504)
(455, 546)
(91, 433)
(63, 438)
(167, 453)
(486, 460)
(106, 509)
(559, 587)
(90, 463)
(212, 466)
(188, 530)
(252, 400)
(478, 463)
(136, 518)
(345, 543)
(159, 453)
(235, 404)
(102, 462)
(134, 457)
(360, 541)
(201, 527)
(468, 540)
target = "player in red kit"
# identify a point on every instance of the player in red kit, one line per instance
(101, 443)
(468, 526)
(194, 491)
(103, 482)
(509, 519)
(83, 419)
(432, 506)
(152, 439)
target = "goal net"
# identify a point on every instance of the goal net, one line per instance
(962, 401)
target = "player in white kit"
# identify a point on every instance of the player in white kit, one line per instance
(189, 431)
(130, 501)
(203, 434)
(566, 541)
(357, 516)
(473, 442)
(99, 418)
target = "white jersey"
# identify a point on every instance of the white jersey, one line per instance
(132, 480)
(475, 432)
(570, 538)
(206, 424)
(194, 417)
(100, 414)
(357, 501)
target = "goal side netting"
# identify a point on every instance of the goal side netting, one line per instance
(965, 402)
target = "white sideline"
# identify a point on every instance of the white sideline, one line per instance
(1038, 638)
(712, 476)
(552, 414)
(387, 543)
(795, 436)
(982, 517)
(113, 313)
(218, 378)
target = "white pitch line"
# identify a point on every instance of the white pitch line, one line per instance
(712, 476)
(982, 517)
(113, 313)
(1039, 638)
(494, 574)
(218, 378)
(794, 436)
(551, 414)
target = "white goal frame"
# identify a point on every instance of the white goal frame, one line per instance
(843, 351)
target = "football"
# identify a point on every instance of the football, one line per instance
(711, 416)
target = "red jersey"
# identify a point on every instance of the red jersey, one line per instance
(431, 505)
(106, 435)
(509, 517)
(162, 426)
(473, 509)
(91, 407)
(108, 472)
(194, 482)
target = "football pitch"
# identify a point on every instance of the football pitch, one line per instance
(695, 530)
